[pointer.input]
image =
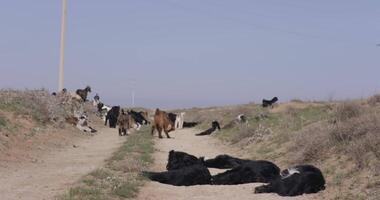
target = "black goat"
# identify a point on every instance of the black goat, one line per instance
(270, 103)
(83, 92)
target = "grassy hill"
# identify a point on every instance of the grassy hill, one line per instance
(341, 138)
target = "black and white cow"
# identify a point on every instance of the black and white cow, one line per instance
(214, 125)
(112, 116)
(297, 180)
(139, 118)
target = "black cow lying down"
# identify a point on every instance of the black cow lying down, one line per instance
(183, 169)
(178, 160)
(214, 125)
(298, 180)
(224, 162)
(186, 176)
(248, 172)
(189, 124)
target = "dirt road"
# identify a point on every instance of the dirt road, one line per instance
(54, 172)
(184, 140)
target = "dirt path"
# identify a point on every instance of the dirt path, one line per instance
(198, 146)
(54, 172)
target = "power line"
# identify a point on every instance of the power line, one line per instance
(262, 27)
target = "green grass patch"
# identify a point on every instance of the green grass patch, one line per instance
(120, 178)
(3, 122)
(79, 193)
(127, 190)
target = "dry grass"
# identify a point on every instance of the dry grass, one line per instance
(38, 104)
(374, 100)
(347, 110)
(120, 178)
(355, 132)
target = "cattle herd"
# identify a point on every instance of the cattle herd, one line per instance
(187, 170)
(184, 169)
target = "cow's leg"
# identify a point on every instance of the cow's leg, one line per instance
(176, 125)
(167, 133)
(159, 129)
(153, 127)
(120, 131)
(181, 123)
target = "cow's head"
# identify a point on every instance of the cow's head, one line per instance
(88, 89)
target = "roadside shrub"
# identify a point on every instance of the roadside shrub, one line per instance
(347, 110)
(310, 143)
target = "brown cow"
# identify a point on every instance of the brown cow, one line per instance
(161, 122)
(124, 122)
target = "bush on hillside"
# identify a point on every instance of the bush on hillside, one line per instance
(347, 110)
(355, 133)
(374, 100)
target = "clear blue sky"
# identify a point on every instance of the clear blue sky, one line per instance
(195, 53)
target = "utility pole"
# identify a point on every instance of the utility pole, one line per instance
(133, 84)
(62, 51)
(133, 98)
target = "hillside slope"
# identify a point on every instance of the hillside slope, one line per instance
(341, 138)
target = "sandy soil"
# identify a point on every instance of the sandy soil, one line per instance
(53, 172)
(184, 140)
